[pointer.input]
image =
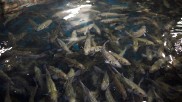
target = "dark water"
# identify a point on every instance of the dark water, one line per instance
(35, 67)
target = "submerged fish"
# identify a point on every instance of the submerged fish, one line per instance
(74, 37)
(63, 45)
(113, 20)
(139, 32)
(105, 81)
(135, 45)
(131, 85)
(88, 96)
(69, 90)
(109, 96)
(52, 91)
(57, 72)
(157, 64)
(119, 85)
(109, 14)
(74, 63)
(39, 77)
(87, 45)
(147, 42)
(148, 54)
(110, 58)
(41, 26)
(121, 59)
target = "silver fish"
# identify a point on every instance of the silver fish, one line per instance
(121, 59)
(87, 45)
(139, 32)
(63, 45)
(39, 27)
(109, 96)
(105, 81)
(157, 64)
(109, 58)
(53, 93)
(69, 90)
(113, 20)
(57, 72)
(109, 14)
(89, 97)
(131, 85)
(74, 37)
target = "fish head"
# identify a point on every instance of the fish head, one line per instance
(81, 66)
(86, 52)
(116, 64)
(140, 93)
(126, 62)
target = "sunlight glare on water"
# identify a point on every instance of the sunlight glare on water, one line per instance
(3, 50)
(73, 12)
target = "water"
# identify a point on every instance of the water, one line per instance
(35, 66)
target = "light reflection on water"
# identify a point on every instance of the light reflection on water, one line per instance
(3, 50)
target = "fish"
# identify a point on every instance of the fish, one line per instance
(51, 87)
(95, 49)
(109, 58)
(157, 64)
(69, 90)
(97, 29)
(155, 39)
(54, 34)
(135, 45)
(148, 54)
(139, 32)
(71, 73)
(108, 95)
(63, 45)
(119, 85)
(121, 59)
(166, 3)
(113, 20)
(140, 68)
(118, 7)
(74, 37)
(160, 52)
(87, 45)
(93, 43)
(88, 96)
(147, 42)
(57, 72)
(105, 81)
(74, 63)
(120, 27)
(85, 28)
(150, 94)
(39, 77)
(109, 14)
(42, 26)
(130, 85)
